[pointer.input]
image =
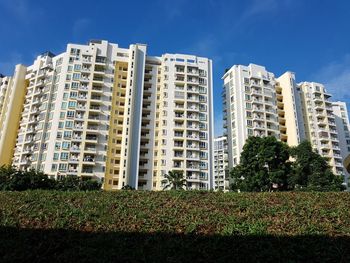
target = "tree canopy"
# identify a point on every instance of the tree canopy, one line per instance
(267, 164)
(175, 180)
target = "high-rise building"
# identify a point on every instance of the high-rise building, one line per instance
(258, 104)
(250, 107)
(289, 108)
(221, 171)
(116, 114)
(343, 129)
(12, 91)
(319, 123)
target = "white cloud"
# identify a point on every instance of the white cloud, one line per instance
(336, 77)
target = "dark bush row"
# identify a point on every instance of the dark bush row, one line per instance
(12, 179)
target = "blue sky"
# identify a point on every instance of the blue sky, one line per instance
(311, 38)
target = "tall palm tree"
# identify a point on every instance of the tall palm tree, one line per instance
(175, 180)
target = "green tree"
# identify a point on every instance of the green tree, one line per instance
(264, 166)
(310, 171)
(27, 180)
(6, 173)
(175, 180)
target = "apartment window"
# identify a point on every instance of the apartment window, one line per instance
(62, 115)
(62, 167)
(69, 124)
(250, 132)
(54, 167)
(57, 145)
(65, 145)
(70, 114)
(67, 134)
(77, 67)
(64, 156)
(72, 104)
(73, 94)
(61, 125)
(75, 85)
(76, 76)
(248, 105)
(64, 105)
(55, 156)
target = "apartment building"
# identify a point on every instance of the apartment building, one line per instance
(258, 104)
(221, 171)
(250, 107)
(289, 108)
(343, 129)
(12, 91)
(118, 115)
(319, 123)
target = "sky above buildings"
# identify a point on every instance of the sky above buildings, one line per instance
(310, 38)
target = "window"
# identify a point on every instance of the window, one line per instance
(70, 114)
(65, 145)
(72, 104)
(69, 124)
(75, 85)
(76, 76)
(77, 67)
(64, 105)
(73, 94)
(62, 114)
(61, 125)
(64, 156)
(55, 156)
(62, 167)
(57, 145)
(54, 167)
(67, 134)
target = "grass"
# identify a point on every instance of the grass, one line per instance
(135, 226)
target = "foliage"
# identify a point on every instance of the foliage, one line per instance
(17, 180)
(128, 187)
(12, 179)
(264, 166)
(139, 226)
(175, 180)
(311, 171)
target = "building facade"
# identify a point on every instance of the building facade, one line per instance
(250, 107)
(221, 171)
(116, 114)
(258, 104)
(319, 122)
(12, 92)
(343, 129)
